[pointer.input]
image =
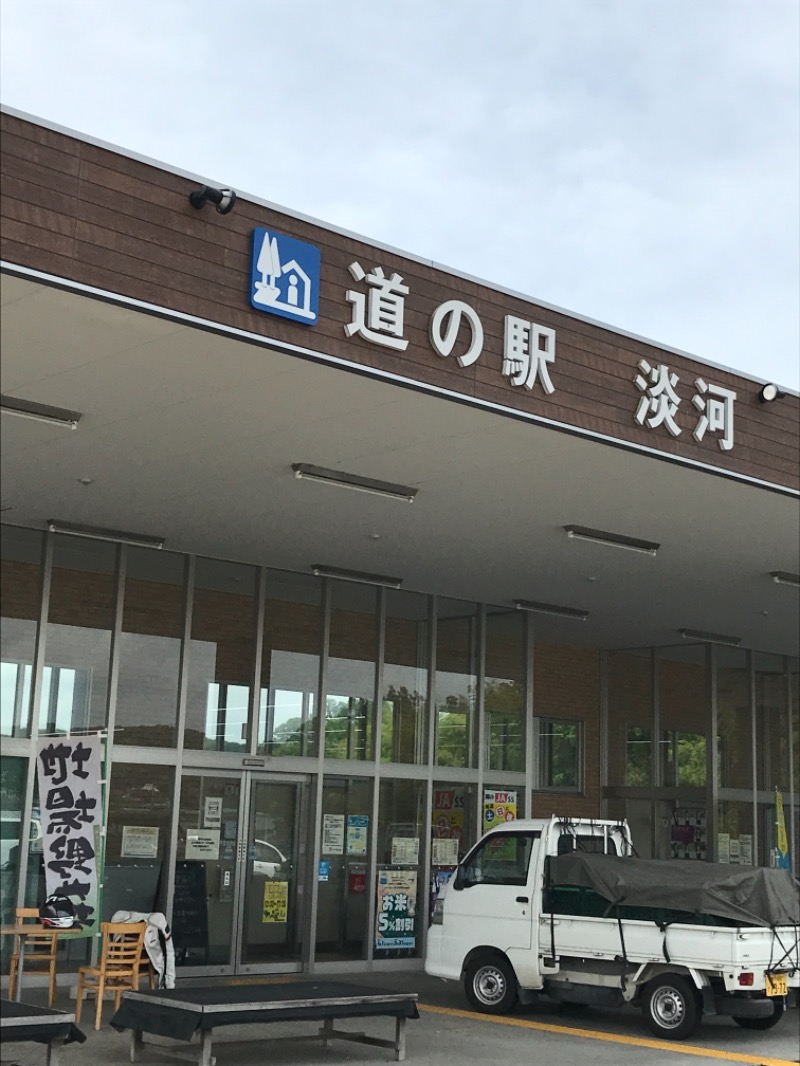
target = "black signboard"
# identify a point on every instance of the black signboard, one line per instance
(190, 909)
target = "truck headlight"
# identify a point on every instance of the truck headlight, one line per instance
(437, 917)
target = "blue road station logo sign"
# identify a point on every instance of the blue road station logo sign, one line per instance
(284, 276)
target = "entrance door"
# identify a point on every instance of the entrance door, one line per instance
(272, 929)
(239, 872)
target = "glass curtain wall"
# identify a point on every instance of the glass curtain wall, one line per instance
(566, 705)
(457, 654)
(400, 896)
(684, 717)
(352, 658)
(150, 649)
(221, 656)
(774, 769)
(290, 654)
(137, 838)
(20, 580)
(504, 691)
(630, 727)
(78, 638)
(406, 666)
(13, 777)
(342, 878)
(735, 758)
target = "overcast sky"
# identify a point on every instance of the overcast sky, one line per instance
(634, 161)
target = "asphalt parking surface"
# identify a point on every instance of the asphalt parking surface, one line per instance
(447, 1033)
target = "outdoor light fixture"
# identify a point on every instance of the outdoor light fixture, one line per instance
(40, 412)
(551, 608)
(353, 481)
(117, 536)
(782, 577)
(223, 199)
(770, 392)
(710, 638)
(615, 540)
(356, 575)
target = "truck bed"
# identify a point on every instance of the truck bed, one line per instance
(693, 945)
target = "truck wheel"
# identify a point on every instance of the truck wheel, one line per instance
(778, 1008)
(670, 1006)
(490, 984)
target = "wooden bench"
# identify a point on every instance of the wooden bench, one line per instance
(180, 1013)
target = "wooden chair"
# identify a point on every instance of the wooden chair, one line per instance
(40, 955)
(118, 967)
(146, 968)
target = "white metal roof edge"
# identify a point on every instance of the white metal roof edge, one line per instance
(160, 165)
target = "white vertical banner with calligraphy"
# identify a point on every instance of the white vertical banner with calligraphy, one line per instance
(69, 774)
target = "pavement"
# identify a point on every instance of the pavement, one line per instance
(447, 1033)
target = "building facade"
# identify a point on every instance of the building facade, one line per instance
(596, 539)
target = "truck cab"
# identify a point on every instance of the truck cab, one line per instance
(493, 906)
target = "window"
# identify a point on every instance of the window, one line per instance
(501, 859)
(560, 754)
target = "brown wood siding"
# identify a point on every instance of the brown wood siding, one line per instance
(93, 216)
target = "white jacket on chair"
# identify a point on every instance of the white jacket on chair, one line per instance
(156, 934)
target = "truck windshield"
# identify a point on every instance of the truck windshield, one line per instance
(502, 859)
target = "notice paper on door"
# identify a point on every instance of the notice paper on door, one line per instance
(333, 834)
(202, 844)
(276, 902)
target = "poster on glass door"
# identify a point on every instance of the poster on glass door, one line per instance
(397, 909)
(498, 807)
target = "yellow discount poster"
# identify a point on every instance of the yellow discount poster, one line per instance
(276, 901)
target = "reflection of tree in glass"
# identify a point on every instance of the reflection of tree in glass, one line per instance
(504, 706)
(287, 738)
(561, 749)
(691, 759)
(638, 756)
(347, 727)
(452, 738)
(401, 714)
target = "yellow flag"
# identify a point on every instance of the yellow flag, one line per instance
(780, 823)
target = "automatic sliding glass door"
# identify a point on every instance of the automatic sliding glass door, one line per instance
(238, 901)
(272, 932)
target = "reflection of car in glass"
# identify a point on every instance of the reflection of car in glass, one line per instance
(10, 832)
(268, 861)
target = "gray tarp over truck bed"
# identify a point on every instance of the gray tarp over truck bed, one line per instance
(748, 895)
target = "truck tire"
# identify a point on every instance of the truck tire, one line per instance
(778, 1008)
(671, 1006)
(490, 984)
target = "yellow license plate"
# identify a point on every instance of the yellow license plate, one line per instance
(777, 984)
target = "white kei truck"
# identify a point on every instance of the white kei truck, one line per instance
(564, 908)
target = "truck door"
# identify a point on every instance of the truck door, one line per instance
(490, 902)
